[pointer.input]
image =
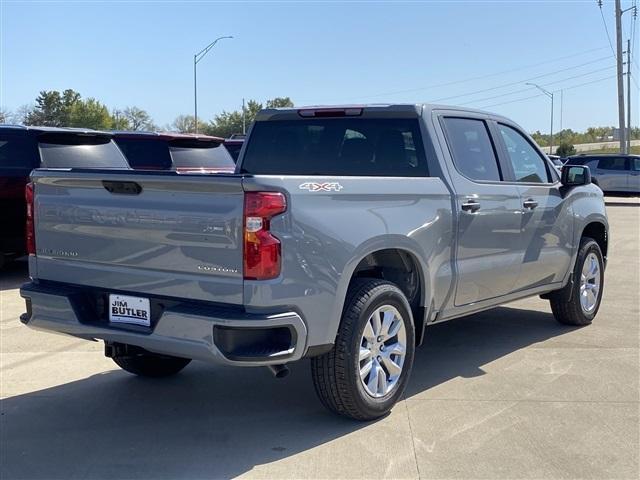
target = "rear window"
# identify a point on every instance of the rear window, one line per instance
(340, 146)
(80, 151)
(205, 155)
(18, 152)
(146, 153)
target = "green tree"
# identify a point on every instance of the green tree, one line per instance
(184, 124)
(138, 119)
(280, 102)
(228, 123)
(565, 149)
(53, 108)
(89, 113)
(119, 121)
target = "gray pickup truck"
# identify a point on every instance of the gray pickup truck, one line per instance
(343, 233)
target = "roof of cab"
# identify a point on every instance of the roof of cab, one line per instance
(406, 110)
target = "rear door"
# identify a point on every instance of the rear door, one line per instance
(489, 211)
(545, 234)
(612, 174)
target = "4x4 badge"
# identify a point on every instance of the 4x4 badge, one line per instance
(321, 187)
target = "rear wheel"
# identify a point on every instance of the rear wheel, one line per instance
(578, 302)
(147, 364)
(367, 370)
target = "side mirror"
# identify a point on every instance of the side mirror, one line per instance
(574, 175)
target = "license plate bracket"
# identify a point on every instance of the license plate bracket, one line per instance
(129, 310)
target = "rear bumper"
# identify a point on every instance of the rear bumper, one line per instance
(184, 329)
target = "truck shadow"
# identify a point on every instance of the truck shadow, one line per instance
(221, 422)
(14, 274)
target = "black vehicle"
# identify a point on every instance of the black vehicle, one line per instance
(234, 145)
(24, 148)
(183, 153)
(613, 172)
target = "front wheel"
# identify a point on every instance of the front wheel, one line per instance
(367, 370)
(578, 302)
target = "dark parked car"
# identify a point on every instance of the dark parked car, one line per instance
(612, 172)
(234, 145)
(24, 148)
(183, 153)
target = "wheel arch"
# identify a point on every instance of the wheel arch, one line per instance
(398, 262)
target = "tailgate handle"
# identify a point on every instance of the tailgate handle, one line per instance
(122, 188)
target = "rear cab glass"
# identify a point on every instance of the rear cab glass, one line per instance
(336, 147)
(65, 150)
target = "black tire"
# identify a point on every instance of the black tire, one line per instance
(336, 374)
(149, 364)
(565, 303)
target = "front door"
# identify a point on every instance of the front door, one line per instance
(489, 214)
(546, 229)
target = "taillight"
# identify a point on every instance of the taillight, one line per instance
(261, 249)
(30, 234)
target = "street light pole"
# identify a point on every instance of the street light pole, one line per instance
(196, 59)
(550, 95)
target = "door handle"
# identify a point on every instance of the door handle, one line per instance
(530, 204)
(470, 206)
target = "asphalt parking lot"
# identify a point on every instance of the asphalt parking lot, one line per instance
(508, 393)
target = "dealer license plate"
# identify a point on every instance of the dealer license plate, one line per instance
(125, 309)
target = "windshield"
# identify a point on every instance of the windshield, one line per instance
(80, 151)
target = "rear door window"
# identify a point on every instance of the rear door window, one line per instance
(146, 153)
(528, 165)
(471, 148)
(612, 163)
(62, 150)
(18, 152)
(336, 146)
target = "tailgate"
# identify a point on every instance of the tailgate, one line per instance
(148, 233)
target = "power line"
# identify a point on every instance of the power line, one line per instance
(540, 95)
(520, 81)
(606, 29)
(480, 77)
(544, 84)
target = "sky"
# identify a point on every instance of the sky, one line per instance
(476, 53)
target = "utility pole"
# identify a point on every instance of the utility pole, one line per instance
(244, 124)
(561, 106)
(550, 95)
(621, 119)
(628, 137)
